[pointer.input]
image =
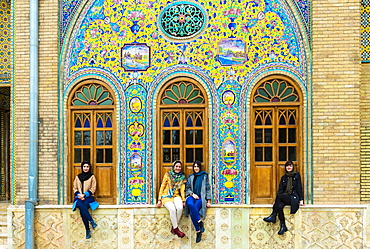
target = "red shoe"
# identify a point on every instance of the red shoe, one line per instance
(172, 230)
(178, 232)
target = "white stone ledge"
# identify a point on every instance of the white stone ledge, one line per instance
(306, 206)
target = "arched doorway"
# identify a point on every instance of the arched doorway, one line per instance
(276, 135)
(91, 138)
(182, 126)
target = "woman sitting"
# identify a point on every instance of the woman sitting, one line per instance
(198, 192)
(172, 195)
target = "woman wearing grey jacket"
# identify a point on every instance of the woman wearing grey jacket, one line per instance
(198, 192)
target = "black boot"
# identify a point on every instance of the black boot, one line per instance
(283, 228)
(201, 226)
(199, 237)
(271, 218)
(88, 234)
(93, 224)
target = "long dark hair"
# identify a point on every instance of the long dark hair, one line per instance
(199, 165)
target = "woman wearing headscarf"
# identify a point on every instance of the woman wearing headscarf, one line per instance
(289, 193)
(172, 195)
(198, 192)
(84, 187)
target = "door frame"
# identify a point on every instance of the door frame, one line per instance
(158, 111)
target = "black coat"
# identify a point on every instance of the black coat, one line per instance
(297, 193)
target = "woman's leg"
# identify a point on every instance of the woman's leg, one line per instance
(172, 209)
(194, 207)
(84, 212)
(179, 207)
(281, 201)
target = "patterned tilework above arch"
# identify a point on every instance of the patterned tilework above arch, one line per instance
(5, 42)
(251, 36)
(269, 34)
(365, 30)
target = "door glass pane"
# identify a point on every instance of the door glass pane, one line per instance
(99, 137)
(78, 123)
(77, 158)
(109, 123)
(108, 138)
(108, 156)
(100, 123)
(166, 122)
(78, 138)
(198, 137)
(99, 155)
(175, 122)
(175, 154)
(166, 137)
(86, 156)
(292, 153)
(199, 154)
(292, 135)
(175, 137)
(198, 122)
(166, 155)
(189, 137)
(282, 153)
(282, 135)
(87, 124)
(258, 154)
(258, 135)
(189, 155)
(268, 120)
(86, 138)
(189, 122)
(282, 120)
(268, 135)
(268, 154)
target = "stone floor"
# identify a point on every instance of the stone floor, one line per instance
(239, 226)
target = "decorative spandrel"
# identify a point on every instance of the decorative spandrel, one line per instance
(182, 20)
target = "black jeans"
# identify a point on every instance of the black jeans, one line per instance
(280, 202)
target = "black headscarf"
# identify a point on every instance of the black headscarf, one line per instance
(84, 175)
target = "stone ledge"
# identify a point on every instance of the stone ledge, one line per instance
(307, 206)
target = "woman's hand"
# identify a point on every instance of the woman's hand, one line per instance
(208, 204)
(195, 196)
(81, 197)
(301, 203)
(159, 204)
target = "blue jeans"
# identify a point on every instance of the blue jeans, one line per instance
(84, 210)
(194, 206)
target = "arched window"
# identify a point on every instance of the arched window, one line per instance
(276, 113)
(92, 136)
(181, 125)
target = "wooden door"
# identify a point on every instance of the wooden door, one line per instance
(93, 141)
(275, 135)
(182, 127)
(275, 140)
(92, 137)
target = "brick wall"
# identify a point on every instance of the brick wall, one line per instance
(336, 99)
(48, 97)
(365, 133)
